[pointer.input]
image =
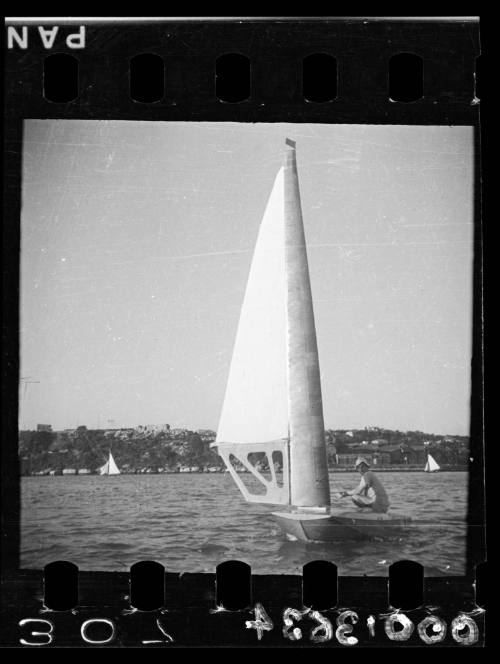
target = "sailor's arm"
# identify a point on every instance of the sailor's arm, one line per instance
(358, 490)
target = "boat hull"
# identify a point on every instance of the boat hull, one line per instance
(340, 526)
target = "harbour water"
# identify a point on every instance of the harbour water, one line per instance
(192, 522)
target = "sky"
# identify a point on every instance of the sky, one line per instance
(136, 242)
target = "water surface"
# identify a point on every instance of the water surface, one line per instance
(192, 522)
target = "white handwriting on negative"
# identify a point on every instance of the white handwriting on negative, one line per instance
(397, 627)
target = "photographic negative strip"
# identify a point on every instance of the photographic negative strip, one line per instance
(249, 343)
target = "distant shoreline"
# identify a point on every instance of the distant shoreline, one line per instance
(84, 451)
(404, 469)
(331, 471)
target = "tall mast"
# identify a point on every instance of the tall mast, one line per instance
(309, 485)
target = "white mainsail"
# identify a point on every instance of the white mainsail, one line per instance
(431, 465)
(110, 467)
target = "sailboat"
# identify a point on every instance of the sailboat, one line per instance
(432, 465)
(272, 414)
(110, 467)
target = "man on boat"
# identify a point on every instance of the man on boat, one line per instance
(369, 494)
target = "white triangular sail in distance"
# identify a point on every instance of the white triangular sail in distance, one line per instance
(255, 408)
(110, 467)
(431, 465)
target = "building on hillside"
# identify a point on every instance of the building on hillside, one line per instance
(207, 435)
(179, 433)
(404, 454)
(152, 429)
(44, 427)
(352, 444)
(378, 442)
(124, 434)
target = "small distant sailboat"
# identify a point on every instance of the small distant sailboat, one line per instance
(431, 466)
(110, 467)
(273, 405)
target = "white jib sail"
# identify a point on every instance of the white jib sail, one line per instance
(255, 408)
(431, 464)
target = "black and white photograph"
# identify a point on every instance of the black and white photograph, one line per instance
(245, 341)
